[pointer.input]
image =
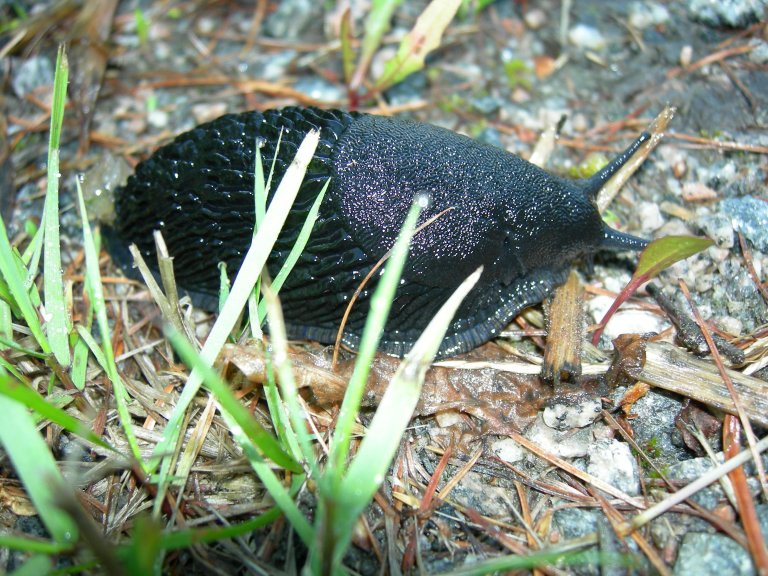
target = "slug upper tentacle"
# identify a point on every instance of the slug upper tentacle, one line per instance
(523, 224)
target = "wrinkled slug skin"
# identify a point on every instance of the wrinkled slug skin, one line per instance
(522, 224)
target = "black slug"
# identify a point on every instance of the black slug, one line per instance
(523, 224)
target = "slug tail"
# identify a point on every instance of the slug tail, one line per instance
(617, 241)
(593, 184)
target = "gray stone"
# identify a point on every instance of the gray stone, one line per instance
(654, 427)
(692, 469)
(733, 13)
(645, 14)
(717, 227)
(292, 18)
(750, 217)
(319, 89)
(31, 74)
(567, 415)
(612, 462)
(712, 554)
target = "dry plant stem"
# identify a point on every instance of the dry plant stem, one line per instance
(409, 556)
(751, 440)
(565, 326)
(709, 59)
(747, 255)
(731, 442)
(656, 129)
(716, 144)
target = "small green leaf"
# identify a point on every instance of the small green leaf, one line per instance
(420, 41)
(664, 252)
(660, 254)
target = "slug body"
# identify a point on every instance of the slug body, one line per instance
(522, 224)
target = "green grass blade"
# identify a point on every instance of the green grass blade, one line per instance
(186, 538)
(382, 439)
(381, 302)
(296, 250)
(14, 274)
(35, 466)
(34, 566)
(254, 262)
(30, 398)
(58, 324)
(377, 450)
(6, 322)
(93, 282)
(35, 545)
(282, 364)
(80, 361)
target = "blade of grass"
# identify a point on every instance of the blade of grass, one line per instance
(376, 25)
(381, 302)
(6, 323)
(29, 544)
(30, 398)
(58, 324)
(282, 364)
(93, 281)
(377, 450)
(35, 466)
(14, 274)
(425, 36)
(296, 250)
(254, 262)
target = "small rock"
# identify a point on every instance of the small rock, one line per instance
(733, 13)
(690, 470)
(535, 18)
(275, 66)
(650, 217)
(319, 89)
(32, 73)
(759, 54)
(686, 55)
(158, 119)
(625, 321)
(292, 18)
(570, 444)
(646, 14)
(579, 122)
(717, 227)
(654, 427)
(612, 462)
(486, 105)
(565, 416)
(508, 450)
(586, 37)
(731, 325)
(750, 217)
(712, 554)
